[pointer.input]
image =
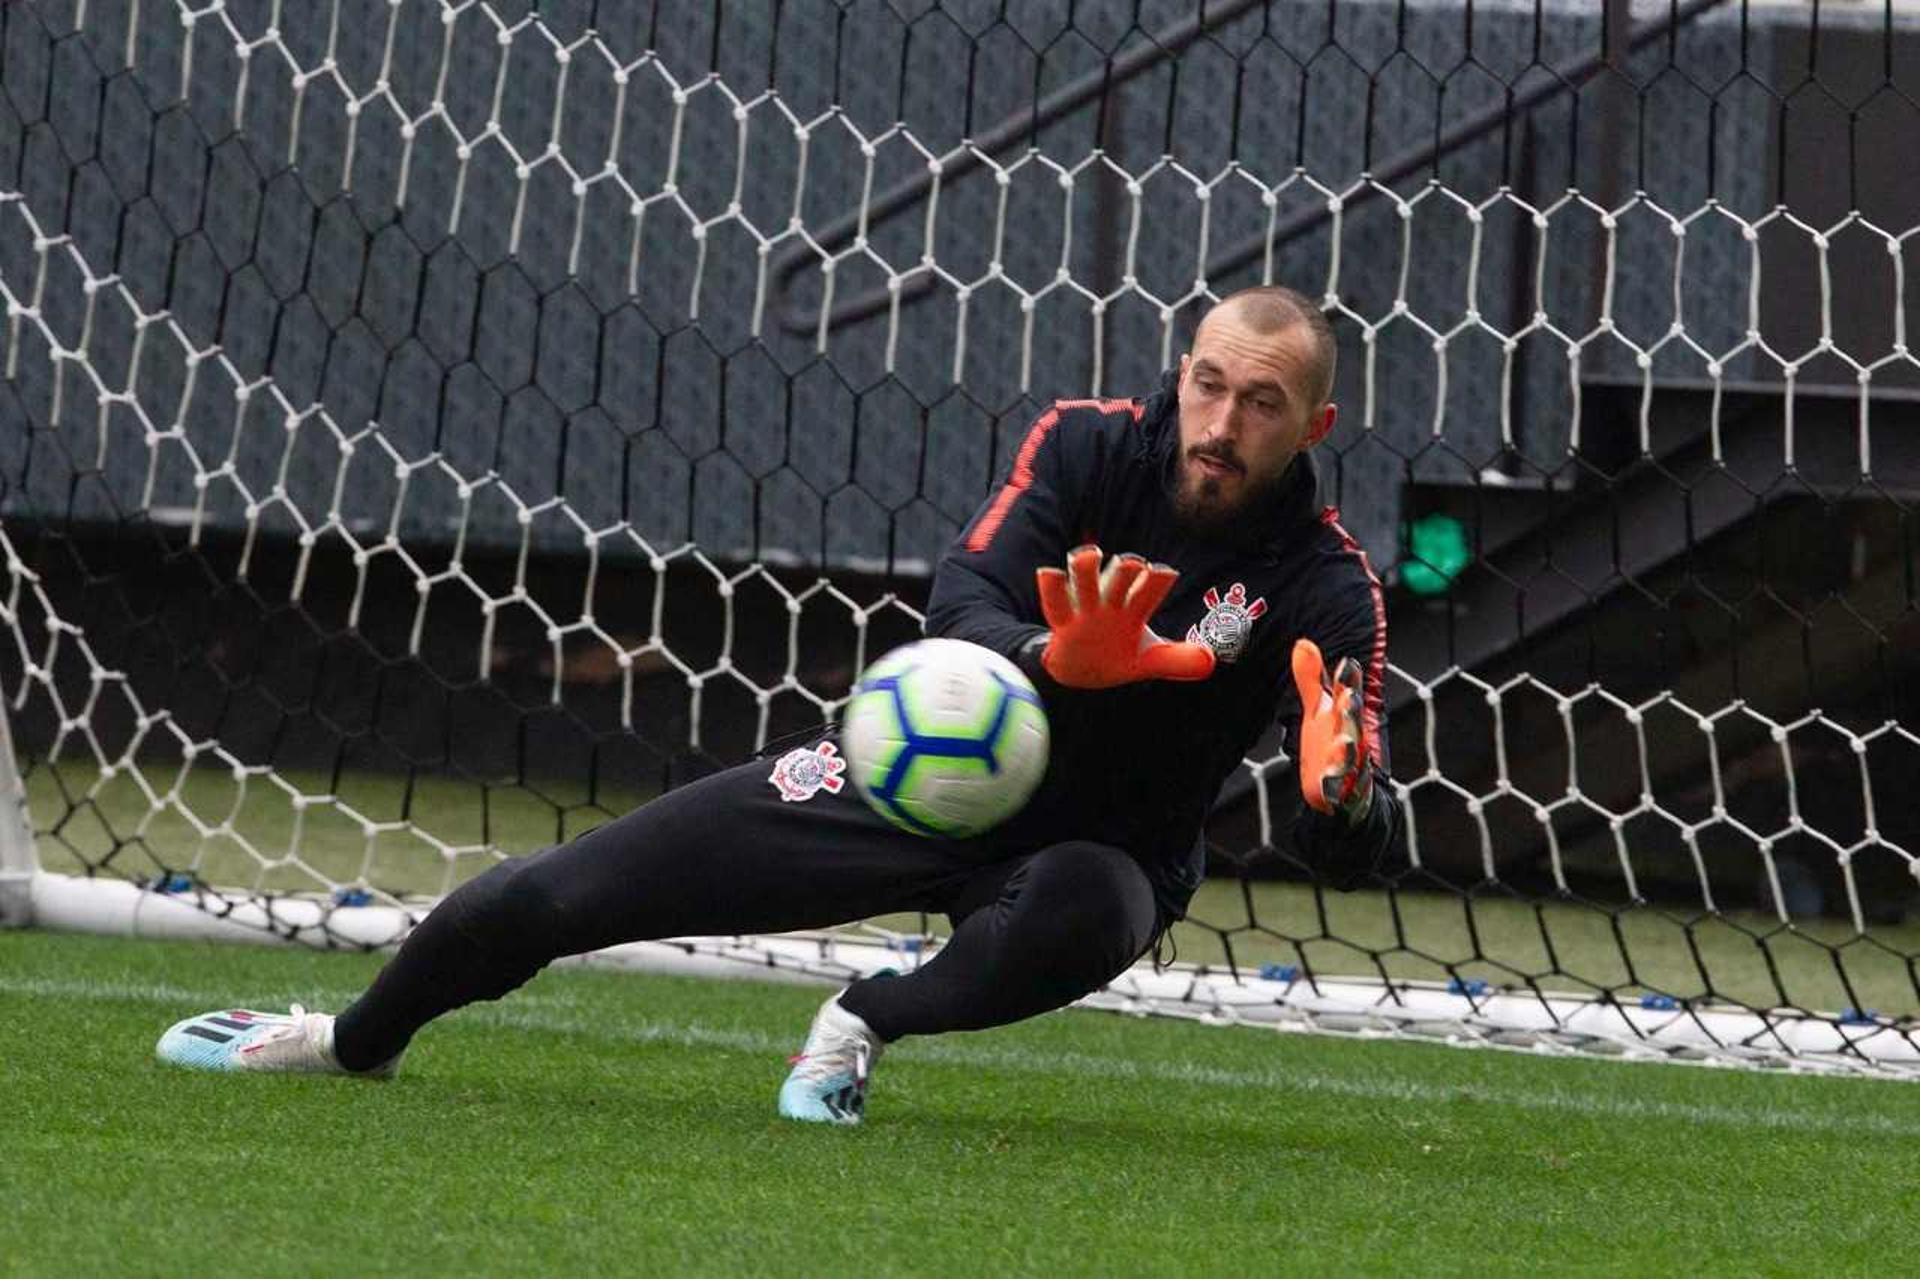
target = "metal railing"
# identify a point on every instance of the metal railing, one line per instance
(973, 153)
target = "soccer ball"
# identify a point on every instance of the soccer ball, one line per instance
(945, 738)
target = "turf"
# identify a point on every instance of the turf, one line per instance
(600, 1121)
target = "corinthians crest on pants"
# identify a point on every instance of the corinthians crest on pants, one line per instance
(1228, 622)
(802, 773)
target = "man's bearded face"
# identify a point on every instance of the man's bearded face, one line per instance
(1248, 406)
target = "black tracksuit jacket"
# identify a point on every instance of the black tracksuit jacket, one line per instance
(1138, 766)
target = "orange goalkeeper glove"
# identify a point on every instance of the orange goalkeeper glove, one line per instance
(1336, 774)
(1099, 622)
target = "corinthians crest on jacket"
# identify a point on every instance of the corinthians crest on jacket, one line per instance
(802, 773)
(1228, 623)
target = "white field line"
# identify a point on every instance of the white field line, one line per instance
(550, 1014)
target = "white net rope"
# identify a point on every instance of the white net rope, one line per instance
(287, 424)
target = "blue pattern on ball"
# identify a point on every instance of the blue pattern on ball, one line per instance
(918, 744)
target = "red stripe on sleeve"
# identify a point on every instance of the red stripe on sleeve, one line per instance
(1373, 703)
(1022, 477)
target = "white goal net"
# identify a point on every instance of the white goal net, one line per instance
(428, 430)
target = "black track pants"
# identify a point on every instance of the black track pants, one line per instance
(1038, 924)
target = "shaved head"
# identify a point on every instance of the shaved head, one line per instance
(1271, 308)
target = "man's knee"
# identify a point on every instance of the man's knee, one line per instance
(1094, 889)
(512, 911)
(1066, 921)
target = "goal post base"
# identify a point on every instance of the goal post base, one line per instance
(1471, 1015)
(119, 908)
(16, 899)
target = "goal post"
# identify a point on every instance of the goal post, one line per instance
(18, 864)
(429, 430)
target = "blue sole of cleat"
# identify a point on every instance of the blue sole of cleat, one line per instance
(844, 1106)
(210, 1041)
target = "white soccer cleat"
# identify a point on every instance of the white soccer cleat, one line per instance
(298, 1043)
(828, 1084)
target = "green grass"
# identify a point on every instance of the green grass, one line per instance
(247, 832)
(601, 1122)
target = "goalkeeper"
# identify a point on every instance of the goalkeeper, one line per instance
(1164, 572)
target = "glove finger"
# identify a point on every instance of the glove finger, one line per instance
(1056, 603)
(1309, 675)
(1119, 579)
(1179, 660)
(1150, 591)
(1083, 571)
(1349, 699)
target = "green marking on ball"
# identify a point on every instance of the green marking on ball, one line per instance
(1022, 714)
(944, 695)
